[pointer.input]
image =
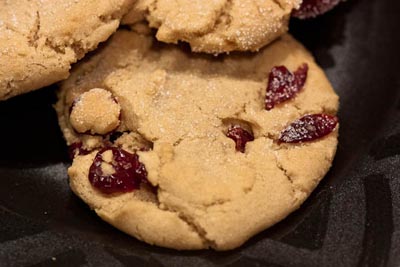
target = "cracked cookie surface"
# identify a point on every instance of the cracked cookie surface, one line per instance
(176, 109)
(216, 26)
(39, 40)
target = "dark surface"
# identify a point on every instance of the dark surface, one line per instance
(352, 219)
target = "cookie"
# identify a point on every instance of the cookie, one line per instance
(39, 40)
(216, 26)
(203, 151)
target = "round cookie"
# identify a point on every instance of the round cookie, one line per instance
(39, 40)
(216, 26)
(211, 163)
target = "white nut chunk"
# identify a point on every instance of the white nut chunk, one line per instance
(96, 112)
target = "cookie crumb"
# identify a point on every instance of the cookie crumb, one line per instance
(96, 112)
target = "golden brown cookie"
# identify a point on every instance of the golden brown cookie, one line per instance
(216, 26)
(209, 150)
(39, 40)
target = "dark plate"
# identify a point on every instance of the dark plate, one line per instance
(352, 219)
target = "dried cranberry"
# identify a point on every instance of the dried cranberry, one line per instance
(77, 149)
(283, 85)
(128, 174)
(309, 128)
(240, 136)
(313, 8)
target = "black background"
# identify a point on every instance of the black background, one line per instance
(352, 219)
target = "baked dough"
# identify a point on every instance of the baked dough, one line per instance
(40, 39)
(175, 109)
(216, 26)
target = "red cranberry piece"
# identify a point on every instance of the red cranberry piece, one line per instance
(284, 85)
(128, 174)
(314, 8)
(77, 149)
(309, 128)
(240, 136)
